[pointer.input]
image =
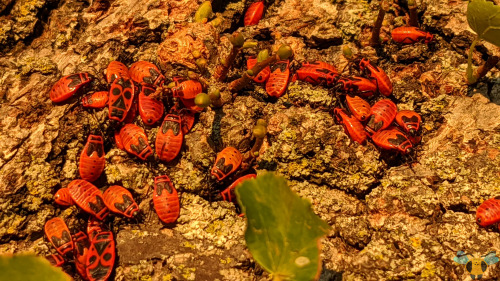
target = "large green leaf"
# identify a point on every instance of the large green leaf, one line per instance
(282, 230)
(29, 268)
(484, 18)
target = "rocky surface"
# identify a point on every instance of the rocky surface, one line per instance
(392, 219)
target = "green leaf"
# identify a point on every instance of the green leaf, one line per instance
(29, 268)
(282, 230)
(203, 12)
(484, 18)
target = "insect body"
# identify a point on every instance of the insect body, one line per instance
(358, 107)
(92, 159)
(82, 244)
(383, 82)
(409, 121)
(119, 200)
(88, 197)
(58, 233)
(383, 113)
(96, 100)
(278, 79)
(144, 72)
(392, 139)
(133, 139)
(55, 260)
(410, 35)
(93, 227)
(151, 110)
(63, 197)
(228, 193)
(263, 75)
(100, 257)
(357, 85)
(352, 127)
(488, 212)
(227, 162)
(165, 199)
(67, 86)
(476, 266)
(116, 70)
(187, 121)
(318, 73)
(254, 13)
(187, 89)
(169, 138)
(121, 95)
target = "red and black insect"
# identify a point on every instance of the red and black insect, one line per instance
(226, 163)
(55, 259)
(488, 212)
(278, 79)
(96, 100)
(121, 95)
(63, 197)
(94, 226)
(169, 138)
(116, 70)
(187, 121)
(352, 127)
(58, 234)
(92, 159)
(263, 75)
(358, 107)
(392, 139)
(187, 89)
(409, 121)
(410, 35)
(357, 86)
(378, 75)
(132, 112)
(82, 244)
(383, 113)
(151, 110)
(144, 72)
(133, 139)
(317, 73)
(228, 193)
(68, 85)
(100, 257)
(88, 197)
(119, 200)
(166, 200)
(254, 13)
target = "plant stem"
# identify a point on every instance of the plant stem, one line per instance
(375, 40)
(470, 75)
(241, 82)
(487, 66)
(223, 68)
(412, 6)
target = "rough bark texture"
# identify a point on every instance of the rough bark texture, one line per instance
(403, 219)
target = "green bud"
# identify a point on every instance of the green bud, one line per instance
(284, 52)
(237, 39)
(201, 63)
(171, 85)
(347, 52)
(250, 72)
(259, 131)
(192, 75)
(196, 54)
(203, 12)
(202, 100)
(263, 55)
(261, 122)
(214, 94)
(248, 45)
(256, 154)
(216, 22)
(223, 61)
(412, 3)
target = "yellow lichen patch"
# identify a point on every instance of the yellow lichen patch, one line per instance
(429, 270)
(43, 65)
(167, 277)
(416, 242)
(227, 260)
(188, 244)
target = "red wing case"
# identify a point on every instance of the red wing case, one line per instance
(58, 234)
(166, 200)
(92, 159)
(67, 86)
(88, 198)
